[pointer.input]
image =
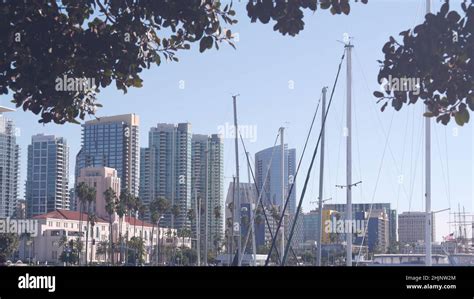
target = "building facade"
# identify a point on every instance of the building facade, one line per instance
(366, 207)
(272, 188)
(378, 232)
(311, 226)
(113, 142)
(9, 165)
(411, 227)
(47, 181)
(101, 179)
(167, 171)
(46, 246)
(207, 168)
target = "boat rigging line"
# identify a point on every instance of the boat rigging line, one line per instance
(307, 175)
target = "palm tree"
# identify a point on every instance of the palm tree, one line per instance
(102, 248)
(217, 215)
(158, 208)
(121, 209)
(90, 197)
(175, 211)
(110, 199)
(154, 216)
(141, 214)
(92, 220)
(81, 193)
(169, 234)
(130, 204)
(128, 201)
(135, 207)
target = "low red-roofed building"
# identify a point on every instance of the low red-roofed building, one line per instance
(54, 226)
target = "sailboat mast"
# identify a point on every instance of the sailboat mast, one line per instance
(237, 205)
(282, 166)
(349, 47)
(429, 216)
(253, 207)
(321, 177)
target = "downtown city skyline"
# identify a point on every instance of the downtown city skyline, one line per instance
(281, 87)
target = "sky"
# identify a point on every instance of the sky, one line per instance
(279, 79)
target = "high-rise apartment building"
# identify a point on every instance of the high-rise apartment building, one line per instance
(113, 142)
(47, 181)
(207, 168)
(166, 171)
(9, 166)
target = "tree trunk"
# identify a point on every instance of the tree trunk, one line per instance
(120, 239)
(81, 209)
(87, 233)
(151, 251)
(111, 242)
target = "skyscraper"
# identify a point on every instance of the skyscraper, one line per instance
(9, 169)
(272, 191)
(166, 171)
(112, 142)
(47, 186)
(208, 169)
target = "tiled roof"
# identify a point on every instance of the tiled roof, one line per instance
(131, 221)
(66, 215)
(74, 215)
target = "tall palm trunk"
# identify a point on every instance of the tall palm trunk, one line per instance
(87, 233)
(120, 239)
(81, 210)
(151, 251)
(92, 236)
(111, 242)
(135, 225)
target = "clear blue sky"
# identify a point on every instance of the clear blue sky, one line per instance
(260, 70)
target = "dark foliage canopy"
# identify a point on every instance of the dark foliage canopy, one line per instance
(95, 43)
(113, 41)
(439, 54)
